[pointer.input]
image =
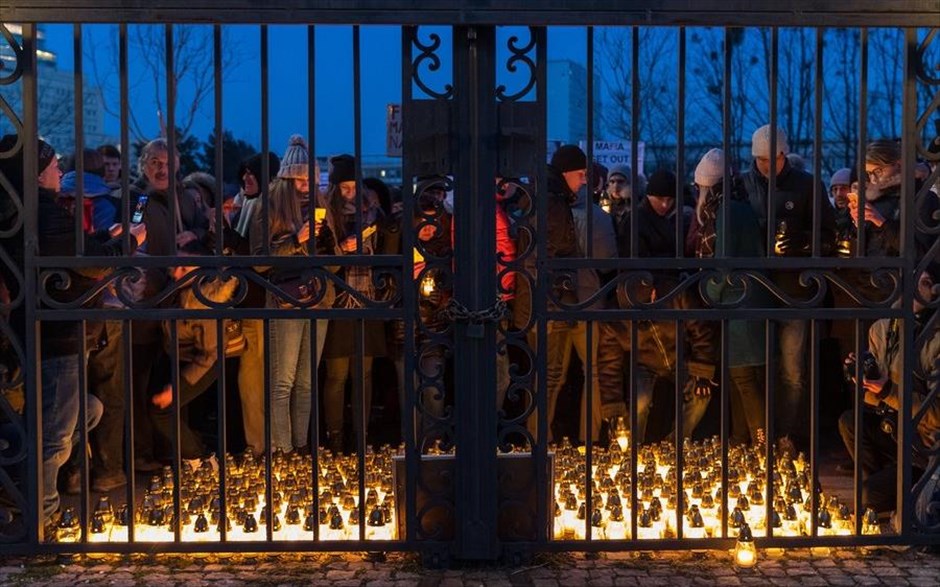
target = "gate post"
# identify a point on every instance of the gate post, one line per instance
(475, 288)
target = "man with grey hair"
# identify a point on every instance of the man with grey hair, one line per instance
(790, 206)
(168, 231)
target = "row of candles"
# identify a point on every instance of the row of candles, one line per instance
(658, 516)
(337, 514)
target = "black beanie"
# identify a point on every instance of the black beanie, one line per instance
(662, 183)
(12, 166)
(253, 164)
(342, 168)
(569, 158)
(46, 155)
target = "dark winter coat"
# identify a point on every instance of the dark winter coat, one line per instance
(793, 205)
(56, 237)
(561, 242)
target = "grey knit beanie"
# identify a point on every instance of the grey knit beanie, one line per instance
(711, 169)
(296, 162)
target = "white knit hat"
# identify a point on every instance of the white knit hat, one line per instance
(295, 164)
(760, 142)
(711, 169)
(841, 177)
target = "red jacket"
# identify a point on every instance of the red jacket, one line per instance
(505, 251)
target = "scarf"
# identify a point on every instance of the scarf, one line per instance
(708, 231)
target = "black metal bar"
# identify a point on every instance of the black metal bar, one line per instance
(125, 138)
(222, 426)
(858, 405)
(127, 326)
(480, 12)
(817, 145)
(221, 333)
(588, 366)
(814, 371)
(266, 239)
(408, 37)
(634, 136)
(475, 287)
(314, 191)
(172, 152)
(909, 355)
(538, 297)
(178, 462)
(79, 162)
(774, 151)
(78, 104)
(725, 210)
(679, 375)
(862, 138)
(219, 142)
(635, 438)
(265, 149)
(680, 143)
(361, 408)
(268, 448)
(32, 377)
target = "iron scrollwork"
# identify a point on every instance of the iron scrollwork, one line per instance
(14, 452)
(429, 59)
(519, 55)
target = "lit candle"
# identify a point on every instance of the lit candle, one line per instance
(745, 552)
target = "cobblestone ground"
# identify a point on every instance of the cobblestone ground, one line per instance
(797, 567)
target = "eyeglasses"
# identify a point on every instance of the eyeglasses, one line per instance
(878, 172)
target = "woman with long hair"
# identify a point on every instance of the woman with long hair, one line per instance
(289, 233)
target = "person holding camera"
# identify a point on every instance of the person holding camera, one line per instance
(880, 390)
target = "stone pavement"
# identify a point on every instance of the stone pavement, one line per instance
(825, 567)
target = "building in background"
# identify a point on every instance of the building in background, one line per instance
(567, 102)
(56, 96)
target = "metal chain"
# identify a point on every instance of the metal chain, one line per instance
(457, 312)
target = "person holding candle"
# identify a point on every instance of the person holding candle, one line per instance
(353, 220)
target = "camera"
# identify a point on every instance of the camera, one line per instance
(870, 368)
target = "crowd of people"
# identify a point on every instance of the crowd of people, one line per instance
(775, 209)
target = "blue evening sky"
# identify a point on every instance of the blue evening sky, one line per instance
(288, 87)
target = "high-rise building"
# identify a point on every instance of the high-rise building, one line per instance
(567, 102)
(56, 97)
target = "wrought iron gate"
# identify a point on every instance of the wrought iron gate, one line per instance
(489, 482)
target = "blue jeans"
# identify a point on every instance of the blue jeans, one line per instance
(60, 407)
(291, 381)
(791, 393)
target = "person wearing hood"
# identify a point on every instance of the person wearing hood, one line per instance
(566, 177)
(60, 342)
(95, 192)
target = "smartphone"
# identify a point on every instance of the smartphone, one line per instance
(138, 215)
